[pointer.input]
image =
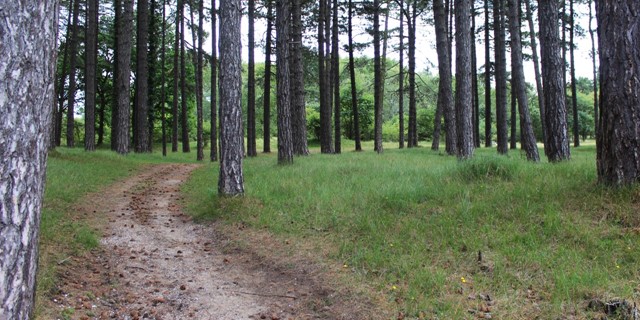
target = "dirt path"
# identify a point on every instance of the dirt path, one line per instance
(154, 263)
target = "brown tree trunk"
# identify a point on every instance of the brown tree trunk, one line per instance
(401, 78)
(474, 80)
(411, 21)
(117, 4)
(513, 137)
(199, 89)
(91, 51)
(184, 124)
(501, 76)
(213, 154)
(266, 93)
(463, 80)
(285, 143)
(176, 79)
(28, 75)
(619, 135)
(251, 83)
(378, 78)
(71, 94)
(325, 110)
(298, 108)
(445, 95)
(574, 91)
(488, 139)
(335, 57)
(556, 143)
(519, 89)
(125, 32)
(141, 111)
(536, 66)
(230, 179)
(163, 78)
(352, 73)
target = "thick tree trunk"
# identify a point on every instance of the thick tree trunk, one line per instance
(142, 79)
(230, 179)
(162, 80)
(125, 32)
(556, 143)
(401, 78)
(488, 139)
(91, 52)
(536, 67)
(463, 80)
(377, 96)
(574, 91)
(519, 89)
(335, 58)
(501, 76)
(619, 134)
(594, 53)
(176, 79)
(27, 92)
(285, 143)
(213, 154)
(266, 93)
(445, 94)
(71, 94)
(352, 73)
(298, 108)
(251, 83)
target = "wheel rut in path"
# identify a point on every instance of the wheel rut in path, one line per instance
(155, 263)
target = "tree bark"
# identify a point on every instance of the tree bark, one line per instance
(378, 78)
(230, 179)
(556, 143)
(142, 79)
(463, 80)
(474, 80)
(26, 94)
(324, 33)
(251, 83)
(536, 66)
(125, 32)
(298, 108)
(352, 73)
(501, 77)
(266, 93)
(513, 137)
(528, 142)
(176, 78)
(413, 127)
(117, 20)
(91, 52)
(213, 154)
(199, 89)
(71, 94)
(163, 78)
(335, 57)
(445, 94)
(152, 62)
(574, 91)
(488, 139)
(619, 135)
(285, 143)
(401, 78)
(184, 116)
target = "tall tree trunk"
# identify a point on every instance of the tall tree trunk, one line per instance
(519, 89)
(176, 79)
(152, 62)
(557, 142)
(57, 115)
(536, 67)
(445, 95)
(198, 82)
(596, 113)
(411, 21)
(91, 52)
(117, 4)
(501, 76)
(463, 80)
(266, 93)
(213, 154)
(73, 55)
(251, 84)
(184, 124)
(474, 80)
(163, 78)
(141, 111)
(335, 57)
(125, 32)
(199, 76)
(574, 91)
(619, 134)
(298, 108)
(325, 121)
(488, 139)
(25, 128)
(230, 179)
(352, 73)
(323, 71)
(285, 142)
(401, 79)
(378, 78)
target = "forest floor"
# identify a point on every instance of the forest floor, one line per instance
(154, 262)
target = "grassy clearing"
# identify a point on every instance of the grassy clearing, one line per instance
(413, 223)
(71, 175)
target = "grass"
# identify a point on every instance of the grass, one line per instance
(413, 222)
(71, 175)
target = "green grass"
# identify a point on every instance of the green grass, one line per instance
(71, 175)
(550, 237)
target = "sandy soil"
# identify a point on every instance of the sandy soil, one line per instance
(155, 263)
